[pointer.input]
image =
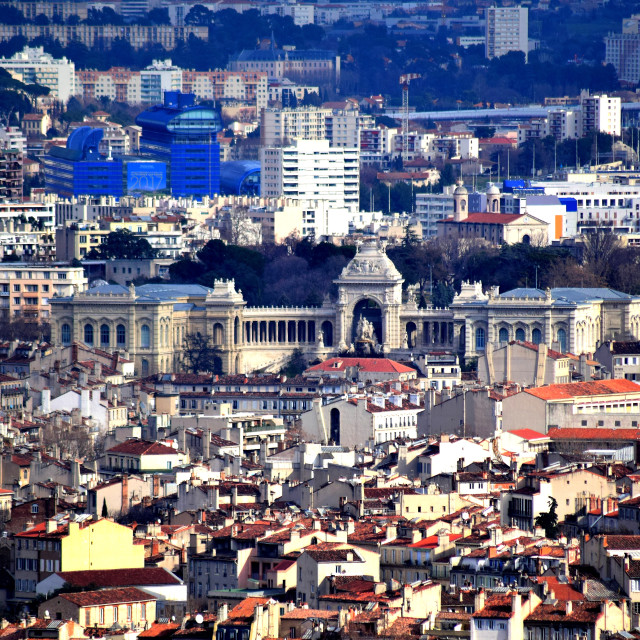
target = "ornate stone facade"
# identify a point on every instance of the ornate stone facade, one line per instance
(150, 322)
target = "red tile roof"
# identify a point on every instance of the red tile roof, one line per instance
(119, 577)
(580, 389)
(142, 447)
(370, 365)
(529, 434)
(159, 630)
(595, 433)
(107, 596)
(496, 607)
(491, 218)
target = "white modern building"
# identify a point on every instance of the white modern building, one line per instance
(432, 207)
(312, 170)
(158, 77)
(33, 66)
(282, 126)
(601, 113)
(507, 29)
(343, 127)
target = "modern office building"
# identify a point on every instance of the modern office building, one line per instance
(240, 178)
(183, 136)
(507, 29)
(312, 170)
(623, 52)
(431, 208)
(34, 66)
(79, 168)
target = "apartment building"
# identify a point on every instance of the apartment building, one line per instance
(25, 288)
(601, 113)
(158, 77)
(432, 207)
(34, 66)
(117, 84)
(243, 86)
(97, 36)
(312, 170)
(283, 126)
(507, 29)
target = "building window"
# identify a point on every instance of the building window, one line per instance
(101, 615)
(115, 614)
(503, 335)
(480, 339)
(562, 340)
(520, 335)
(88, 334)
(145, 336)
(129, 612)
(105, 335)
(121, 335)
(65, 334)
(143, 611)
(536, 336)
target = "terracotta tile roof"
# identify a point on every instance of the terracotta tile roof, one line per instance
(142, 447)
(595, 433)
(159, 630)
(332, 555)
(303, 614)
(388, 492)
(581, 389)
(496, 607)
(529, 434)
(370, 365)
(107, 596)
(246, 608)
(621, 542)
(119, 577)
(581, 612)
(491, 218)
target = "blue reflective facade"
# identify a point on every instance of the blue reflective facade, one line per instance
(78, 168)
(240, 178)
(184, 136)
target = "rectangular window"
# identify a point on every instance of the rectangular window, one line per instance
(143, 611)
(129, 612)
(101, 616)
(115, 614)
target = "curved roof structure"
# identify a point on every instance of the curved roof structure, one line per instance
(240, 177)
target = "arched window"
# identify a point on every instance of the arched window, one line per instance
(503, 335)
(121, 335)
(520, 335)
(335, 426)
(166, 335)
(562, 340)
(536, 336)
(105, 335)
(145, 336)
(218, 334)
(480, 339)
(65, 334)
(88, 334)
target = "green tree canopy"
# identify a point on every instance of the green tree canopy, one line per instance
(122, 244)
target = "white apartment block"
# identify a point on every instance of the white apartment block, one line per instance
(282, 126)
(276, 88)
(507, 29)
(377, 145)
(431, 208)
(33, 66)
(158, 77)
(312, 170)
(601, 113)
(343, 127)
(301, 14)
(564, 124)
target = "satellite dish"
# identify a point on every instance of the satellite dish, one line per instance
(465, 515)
(199, 618)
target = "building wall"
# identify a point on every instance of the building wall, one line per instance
(100, 545)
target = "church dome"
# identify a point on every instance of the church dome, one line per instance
(461, 190)
(370, 261)
(493, 190)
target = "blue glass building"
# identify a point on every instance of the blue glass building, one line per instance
(183, 135)
(78, 168)
(240, 178)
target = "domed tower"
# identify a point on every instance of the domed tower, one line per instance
(460, 203)
(493, 199)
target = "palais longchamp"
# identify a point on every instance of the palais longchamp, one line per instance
(149, 323)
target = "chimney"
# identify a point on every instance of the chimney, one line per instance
(125, 494)
(479, 601)
(516, 607)
(97, 370)
(568, 607)
(391, 532)
(46, 401)
(51, 526)
(75, 474)
(206, 444)
(85, 406)
(223, 612)
(156, 485)
(416, 536)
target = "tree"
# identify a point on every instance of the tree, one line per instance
(599, 248)
(122, 244)
(296, 364)
(548, 520)
(200, 355)
(198, 15)
(105, 511)
(240, 229)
